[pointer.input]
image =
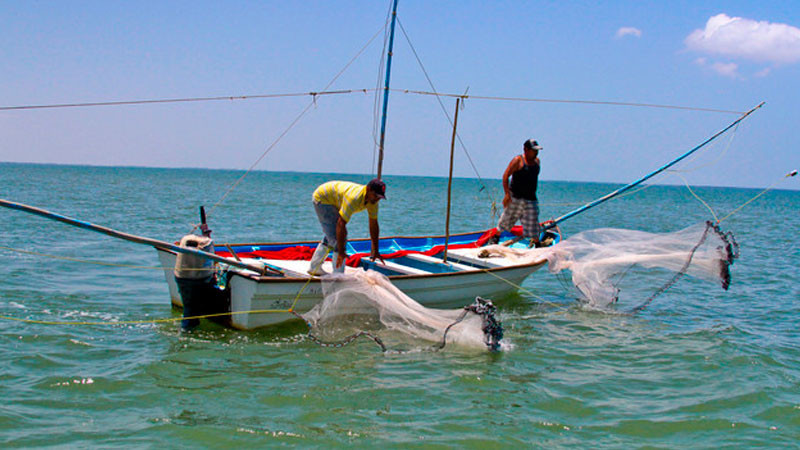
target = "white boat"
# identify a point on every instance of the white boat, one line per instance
(414, 264)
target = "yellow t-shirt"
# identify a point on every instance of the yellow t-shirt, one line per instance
(348, 197)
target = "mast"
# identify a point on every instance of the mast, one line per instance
(386, 90)
(450, 182)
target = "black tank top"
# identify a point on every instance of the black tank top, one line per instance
(524, 181)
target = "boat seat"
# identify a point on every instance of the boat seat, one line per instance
(405, 270)
(432, 260)
(464, 256)
(299, 268)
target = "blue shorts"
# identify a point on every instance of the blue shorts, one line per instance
(328, 216)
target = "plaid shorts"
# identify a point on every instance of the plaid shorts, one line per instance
(528, 211)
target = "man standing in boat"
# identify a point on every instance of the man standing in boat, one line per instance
(335, 202)
(520, 200)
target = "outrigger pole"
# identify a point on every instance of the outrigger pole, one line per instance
(386, 90)
(129, 237)
(611, 195)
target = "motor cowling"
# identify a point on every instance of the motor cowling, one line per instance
(193, 266)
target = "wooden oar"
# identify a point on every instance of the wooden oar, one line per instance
(130, 237)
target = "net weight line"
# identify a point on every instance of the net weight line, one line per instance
(491, 327)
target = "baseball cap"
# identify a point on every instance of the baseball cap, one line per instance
(533, 145)
(377, 186)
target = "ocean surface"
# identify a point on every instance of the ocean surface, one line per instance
(699, 367)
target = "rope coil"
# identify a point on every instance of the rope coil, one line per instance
(491, 327)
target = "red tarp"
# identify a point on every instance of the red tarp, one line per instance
(304, 253)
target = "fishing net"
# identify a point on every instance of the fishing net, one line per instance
(366, 303)
(600, 259)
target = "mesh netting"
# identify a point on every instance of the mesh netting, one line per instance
(366, 302)
(599, 259)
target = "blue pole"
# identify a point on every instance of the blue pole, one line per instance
(386, 90)
(650, 175)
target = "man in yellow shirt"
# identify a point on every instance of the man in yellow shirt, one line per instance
(335, 203)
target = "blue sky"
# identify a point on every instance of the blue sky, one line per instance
(728, 55)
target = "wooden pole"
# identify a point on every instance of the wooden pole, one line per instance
(450, 181)
(129, 237)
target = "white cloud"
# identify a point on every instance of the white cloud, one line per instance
(762, 73)
(628, 31)
(747, 39)
(726, 69)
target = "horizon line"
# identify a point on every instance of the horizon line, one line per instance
(367, 174)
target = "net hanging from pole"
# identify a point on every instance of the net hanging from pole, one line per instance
(601, 260)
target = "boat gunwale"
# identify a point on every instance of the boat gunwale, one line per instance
(353, 240)
(284, 279)
(535, 264)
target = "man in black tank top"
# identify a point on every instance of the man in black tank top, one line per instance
(520, 202)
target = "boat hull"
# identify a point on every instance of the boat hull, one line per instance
(258, 301)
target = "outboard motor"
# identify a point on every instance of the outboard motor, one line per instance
(196, 279)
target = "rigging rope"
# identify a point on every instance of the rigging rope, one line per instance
(444, 110)
(708, 207)
(717, 220)
(713, 162)
(294, 122)
(576, 101)
(181, 100)
(358, 90)
(769, 188)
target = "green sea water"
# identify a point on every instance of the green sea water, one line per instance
(699, 367)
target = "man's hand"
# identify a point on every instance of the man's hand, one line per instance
(374, 254)
(374, 234)
(506, 200)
